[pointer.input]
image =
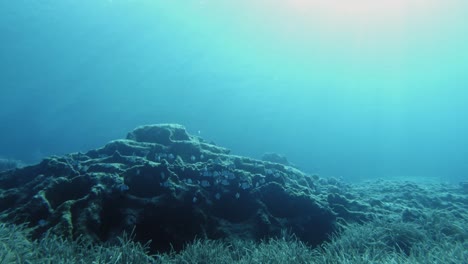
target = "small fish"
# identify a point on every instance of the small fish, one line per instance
(124, 187)
(205, 183)
(225, 182)
(42, 222)
(244, 185)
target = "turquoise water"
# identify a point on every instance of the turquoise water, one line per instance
(353, 89)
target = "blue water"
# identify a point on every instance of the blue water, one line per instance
(355, 91)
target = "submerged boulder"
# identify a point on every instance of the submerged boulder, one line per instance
(168, 187)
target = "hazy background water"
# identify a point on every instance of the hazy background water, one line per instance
(354, 89)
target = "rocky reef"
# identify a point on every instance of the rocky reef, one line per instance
(168, 187)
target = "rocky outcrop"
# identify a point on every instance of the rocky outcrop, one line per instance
(168, 187)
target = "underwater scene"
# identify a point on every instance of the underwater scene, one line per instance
(218, 131)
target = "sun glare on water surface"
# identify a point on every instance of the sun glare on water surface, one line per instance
(357, 14)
